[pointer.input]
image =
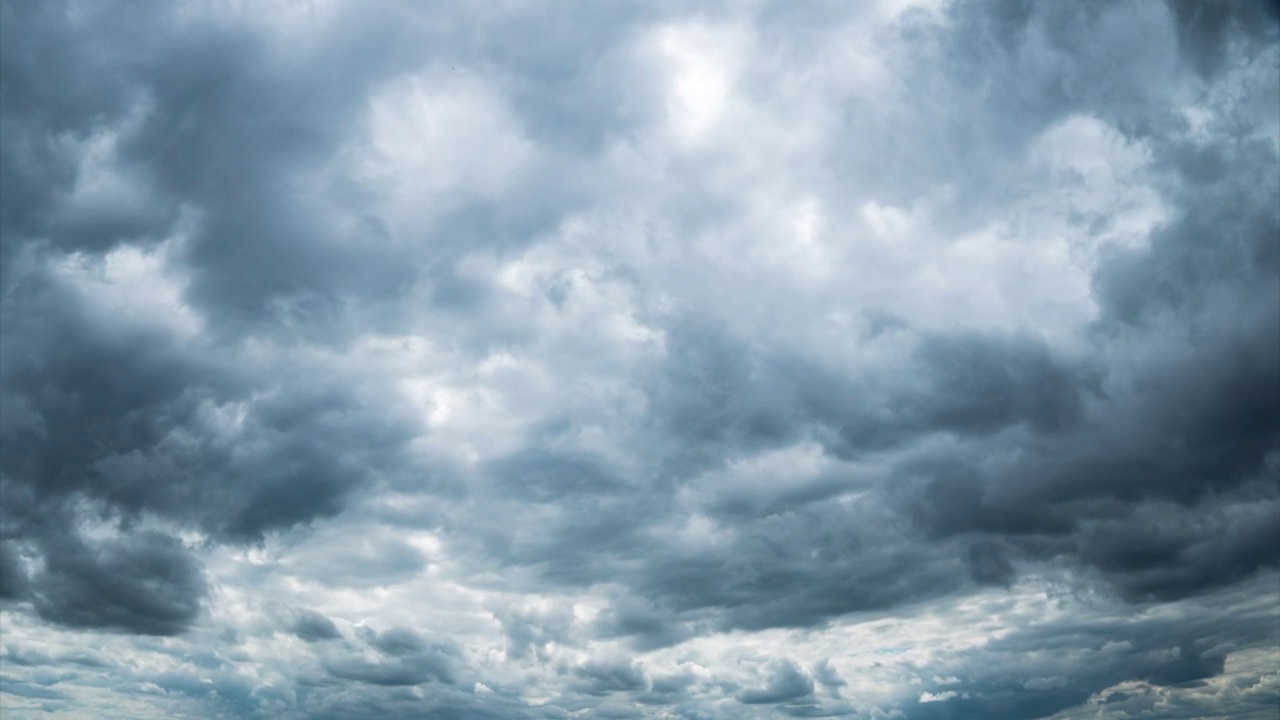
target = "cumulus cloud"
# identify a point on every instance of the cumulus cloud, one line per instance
(890, 359)
(311, 626)
(786, 682)
(145, 583)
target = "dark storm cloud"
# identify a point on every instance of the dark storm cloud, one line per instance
(311, 626)
(226, 131)
(968, 385)
(645, 622)
(801, 568)
(404, 669)
(240, 136)
(1185, 436)
(611, 676)
(740, 470)
(230, 131)
(1100, 449)
(786, 682)
(394, 641)
(145, 583)
(720, 391)
(1139, 469)
(1018, 679)
(13, 577)
(231, 136)
(1161, 552)
(62, 81)
(982, 384)
(712, 396)
(988, 563)
(1206, 30)
(129, 417)
(244, 137)
(87, 389)
(795, 557)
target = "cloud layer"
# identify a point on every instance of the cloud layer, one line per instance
(877, 360)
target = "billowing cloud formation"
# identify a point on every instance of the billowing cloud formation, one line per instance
(145, 583)
(911, 359)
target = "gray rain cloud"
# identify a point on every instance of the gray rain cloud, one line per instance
(892, 359)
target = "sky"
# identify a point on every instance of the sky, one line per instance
(883, 360)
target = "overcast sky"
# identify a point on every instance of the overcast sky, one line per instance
(888, 359)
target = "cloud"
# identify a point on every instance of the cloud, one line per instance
(897, 359)
(13, 577)
(311, 626)
(603, 678)
(32, 691)
(145, 583)
(395, 641)
(786, 682)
